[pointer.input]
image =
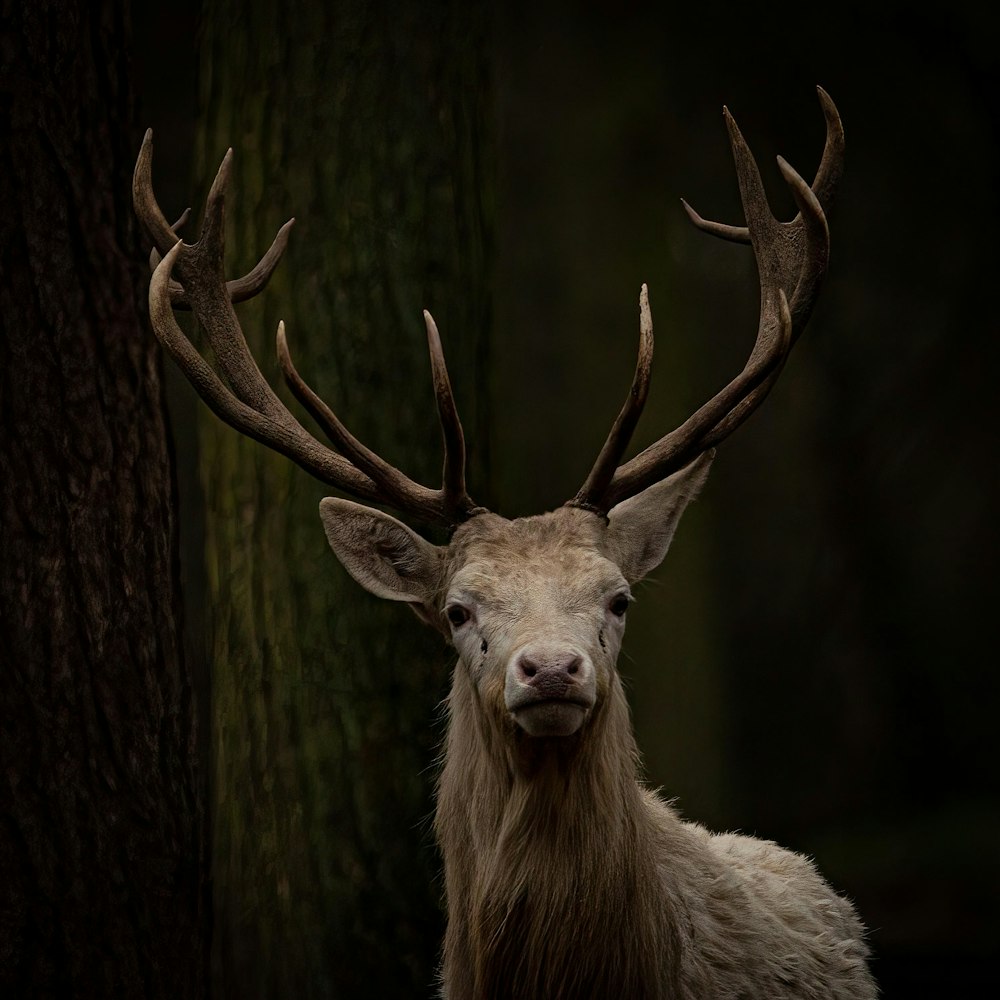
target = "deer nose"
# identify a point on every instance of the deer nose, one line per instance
(549, 673)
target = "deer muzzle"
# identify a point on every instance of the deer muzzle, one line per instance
(550, 691)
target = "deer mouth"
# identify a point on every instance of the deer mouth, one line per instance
(551, 716)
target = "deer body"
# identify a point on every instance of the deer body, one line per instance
(566, 879)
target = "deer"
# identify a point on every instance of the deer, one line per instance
(566, 878)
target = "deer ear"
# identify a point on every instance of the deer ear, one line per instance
(383, 554)
(641, 528)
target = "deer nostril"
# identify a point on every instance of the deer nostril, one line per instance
(550, 667)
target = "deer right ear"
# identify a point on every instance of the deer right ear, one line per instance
(641, 528)
(383, 554)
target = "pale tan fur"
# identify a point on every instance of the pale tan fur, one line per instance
(566, 879)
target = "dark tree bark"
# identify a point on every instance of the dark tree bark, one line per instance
(370, 123)
(101, 831)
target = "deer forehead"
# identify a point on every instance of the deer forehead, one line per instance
(550, 562)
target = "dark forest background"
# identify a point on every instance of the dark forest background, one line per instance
(239, 803)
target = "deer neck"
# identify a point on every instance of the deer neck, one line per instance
(549, 858)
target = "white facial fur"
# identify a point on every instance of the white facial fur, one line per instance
(544, 630)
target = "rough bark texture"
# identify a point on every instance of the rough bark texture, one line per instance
(101, 857)
(366, 122)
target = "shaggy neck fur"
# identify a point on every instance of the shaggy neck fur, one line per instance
(549, 860)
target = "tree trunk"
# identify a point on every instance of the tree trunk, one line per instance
(101, 832)
(368, 124)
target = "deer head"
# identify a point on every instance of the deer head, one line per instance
(536, 606)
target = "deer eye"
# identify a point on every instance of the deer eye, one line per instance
(619, 605)
(458, 614)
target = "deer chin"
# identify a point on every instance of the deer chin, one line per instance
(551, 717)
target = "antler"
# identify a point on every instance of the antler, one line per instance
(791, 260)
(242, 397)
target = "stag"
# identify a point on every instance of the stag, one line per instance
(565, 877)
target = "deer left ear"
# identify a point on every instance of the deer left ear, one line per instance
(641, 528)
(383, 554)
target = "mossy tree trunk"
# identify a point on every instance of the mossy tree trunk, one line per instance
(103, 889)
(370, 124)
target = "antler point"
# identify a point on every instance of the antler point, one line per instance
(161, 273)
(281, 348)
(790, 174)
(226, 165)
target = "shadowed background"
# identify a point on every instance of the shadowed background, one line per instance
(811, 663)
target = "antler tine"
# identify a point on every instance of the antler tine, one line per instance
(824, 185)
(590, 494)
(395, 486)
(212, 238)
(703, 430)
(816, 253)
(144, 201)
(176, 288)
(453, 474)
(831, 166)
(256, 279)
(454, 502)
(791, 260)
